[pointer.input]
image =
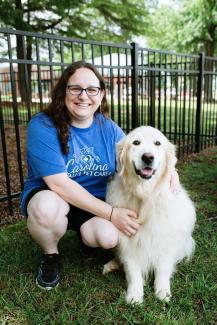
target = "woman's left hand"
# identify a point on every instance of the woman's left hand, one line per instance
(175, 183)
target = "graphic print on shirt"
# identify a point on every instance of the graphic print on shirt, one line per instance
(86, 162)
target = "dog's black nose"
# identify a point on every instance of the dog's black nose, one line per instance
(147, 158)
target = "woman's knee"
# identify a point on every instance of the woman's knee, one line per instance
(109, 240)
(46, 207)
(100, 232)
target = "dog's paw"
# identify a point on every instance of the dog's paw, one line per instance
(134, 297)
(110, 266)
(164, 295)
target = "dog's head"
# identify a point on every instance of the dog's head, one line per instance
(144, 153)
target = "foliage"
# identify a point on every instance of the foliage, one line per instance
(88, 19)
(187, 26)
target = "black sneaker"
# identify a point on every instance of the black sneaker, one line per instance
(48, 272)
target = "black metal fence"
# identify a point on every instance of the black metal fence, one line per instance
(176, 93)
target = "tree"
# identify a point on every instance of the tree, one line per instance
(187, 26)
(116, 20)
(190, 26)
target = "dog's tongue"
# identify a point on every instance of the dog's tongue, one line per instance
(146, 172)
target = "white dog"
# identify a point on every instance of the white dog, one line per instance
(146, 160)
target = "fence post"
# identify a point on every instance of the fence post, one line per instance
(134, 85)
(152, 88)
(199, 101)
(5, 160)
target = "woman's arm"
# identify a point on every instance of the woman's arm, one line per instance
(72, 192)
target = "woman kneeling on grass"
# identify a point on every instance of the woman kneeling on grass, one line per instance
(70, 157)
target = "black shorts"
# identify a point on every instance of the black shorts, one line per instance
(76, 217)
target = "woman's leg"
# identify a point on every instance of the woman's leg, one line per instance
(98, 232)
(47, 221)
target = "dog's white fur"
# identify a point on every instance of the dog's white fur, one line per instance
(167, 219)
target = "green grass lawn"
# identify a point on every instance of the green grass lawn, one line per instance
(174, 115)
(86, 297)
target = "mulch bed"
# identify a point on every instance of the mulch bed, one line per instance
(13, 170)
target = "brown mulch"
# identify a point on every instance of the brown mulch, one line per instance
(13, 171)
(13, 168)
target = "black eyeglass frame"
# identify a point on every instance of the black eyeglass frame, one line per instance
(83, 89)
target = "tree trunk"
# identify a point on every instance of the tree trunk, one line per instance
(29, 67)
(208, 78)
(21, 69)
(24, 79)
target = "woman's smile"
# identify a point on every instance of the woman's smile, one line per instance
(83, 105)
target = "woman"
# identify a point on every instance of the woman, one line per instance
(70, 157)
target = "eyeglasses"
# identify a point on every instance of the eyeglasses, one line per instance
(90, 91)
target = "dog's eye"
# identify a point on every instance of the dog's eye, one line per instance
(157, 143)
(136, 142)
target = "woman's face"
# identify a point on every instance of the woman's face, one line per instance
(82, 106)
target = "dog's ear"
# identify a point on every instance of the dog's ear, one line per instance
(121, 156)
(171, 157)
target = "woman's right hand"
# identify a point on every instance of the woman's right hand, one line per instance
(125, 220)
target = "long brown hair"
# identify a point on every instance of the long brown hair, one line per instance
(57, 109)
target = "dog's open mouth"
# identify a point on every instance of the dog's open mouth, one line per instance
(146, 172)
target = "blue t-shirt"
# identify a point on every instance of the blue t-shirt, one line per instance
(90, 161)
